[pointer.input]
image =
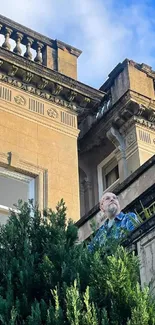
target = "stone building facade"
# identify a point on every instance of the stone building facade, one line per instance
(60, 138)
(121, 137)
(39, 105)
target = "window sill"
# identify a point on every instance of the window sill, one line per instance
(112, 186)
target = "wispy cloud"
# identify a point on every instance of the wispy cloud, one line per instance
(107, 31)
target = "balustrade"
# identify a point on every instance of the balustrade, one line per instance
(23, 38)
(23, 41)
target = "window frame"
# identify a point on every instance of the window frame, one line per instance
(20, 177)
(29, 169)
(103, 165)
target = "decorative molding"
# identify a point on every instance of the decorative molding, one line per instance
(24, 113)
(65, 47)
(151, 117)
(42, 83)
(130, 138)
(72, 95)
(145, 123)
(57, 89)
(12, 71)
(43, 94)
(144, 136)
(5, 93)
(20, 100)
(52, 113)
(52, 75)
(27, 77)
(36, 106)
(68, 119)
(127, 125)
(129, 110)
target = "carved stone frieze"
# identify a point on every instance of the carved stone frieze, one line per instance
(131, 137)
(52, 113)
(84, 102)
(20, 100)
(145, 123)
(41, 93)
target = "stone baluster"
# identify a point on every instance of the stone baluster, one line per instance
(38, 57)
(6, 45)
(28, 53)
(17, 48)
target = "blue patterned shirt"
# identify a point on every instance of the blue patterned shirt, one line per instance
(122, 222)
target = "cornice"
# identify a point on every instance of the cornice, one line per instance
(35, 68)
(49, 84)
(98, 131)
(119, 68)
(38, 92)
(122, 115)
(70, 49)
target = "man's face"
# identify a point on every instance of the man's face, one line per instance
(109, 204)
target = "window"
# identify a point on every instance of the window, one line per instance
(108, 174)
(111, 176)
(14, 186)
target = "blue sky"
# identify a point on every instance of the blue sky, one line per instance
(107, 31)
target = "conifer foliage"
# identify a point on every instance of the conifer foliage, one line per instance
(47, 279)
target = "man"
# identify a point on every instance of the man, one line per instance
(116, 222)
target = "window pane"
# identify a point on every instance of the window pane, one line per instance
(11, 190)
(111, 177)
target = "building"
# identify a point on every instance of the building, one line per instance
(40, 100)
(60, 138)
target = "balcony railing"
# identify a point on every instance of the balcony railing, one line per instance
(23, 36)
(30, 44)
